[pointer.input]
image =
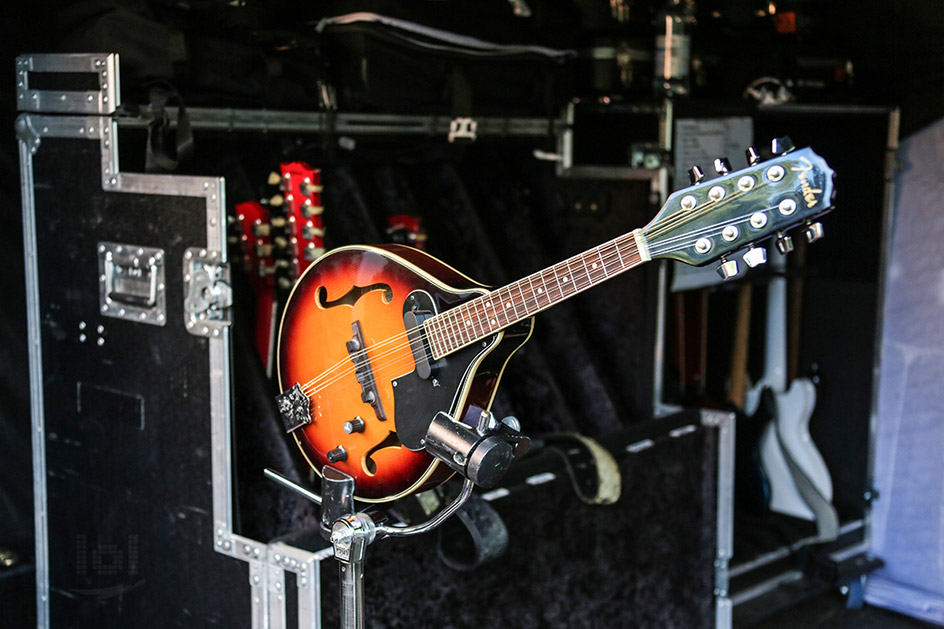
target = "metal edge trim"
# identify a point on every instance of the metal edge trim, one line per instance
(212, 190)
(230, 119)
(888, 226)
(725, 424)
(34, 339)
(764, 587)
(103, 101)
(784, 551)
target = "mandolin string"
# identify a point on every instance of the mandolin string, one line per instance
(343, 363)
(673, 221)
(660, 248)
(680, 217)
(378, 362)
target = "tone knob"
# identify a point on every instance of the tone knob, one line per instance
(813, 232)
(752, 156)
(722, 165)
(784, 243)
(337, 455)
(355, 425)
(755, 256)
(695, 175)
(781, 146)
(728, 269)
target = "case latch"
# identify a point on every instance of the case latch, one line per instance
(209, 293)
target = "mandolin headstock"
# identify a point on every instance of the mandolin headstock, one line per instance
(712, 220)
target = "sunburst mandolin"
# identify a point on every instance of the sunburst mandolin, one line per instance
(377, 343)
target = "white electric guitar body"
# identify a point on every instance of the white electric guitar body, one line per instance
(794, 405)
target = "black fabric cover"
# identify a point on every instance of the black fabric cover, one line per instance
(646, 561)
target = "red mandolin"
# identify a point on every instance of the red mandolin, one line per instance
(376, 341)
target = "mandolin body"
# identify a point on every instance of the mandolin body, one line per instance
(370, 288)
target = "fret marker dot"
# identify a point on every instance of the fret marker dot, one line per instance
(565, 278)
(489, 304)
(508, 305)
(492, 321)
(468, 323)
(594, 265)
(540, 290)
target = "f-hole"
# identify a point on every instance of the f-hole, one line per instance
(391, 441)
(352, 296)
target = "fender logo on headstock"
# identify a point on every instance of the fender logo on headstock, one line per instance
(808, 191)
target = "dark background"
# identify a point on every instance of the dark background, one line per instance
(897, 50)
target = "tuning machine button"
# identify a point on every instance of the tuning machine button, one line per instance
(755, 256)
(727, 269)
(695, 175)
(752, 156)
(784, 243)
(813, 232)
(781, 146)
(722, 165)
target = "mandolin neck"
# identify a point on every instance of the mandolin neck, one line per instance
(479, 318)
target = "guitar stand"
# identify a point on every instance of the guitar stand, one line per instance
(351, 532)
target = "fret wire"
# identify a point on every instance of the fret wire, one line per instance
(452, 330)
(608, 258)
(429, 325)
(547, 294)
(570, 276)
(520, 299)
(493, 316)
(586, 270)
(533, 293)
(602, 263)
(460, 329)
(447, 329)
(477, 319)
(467, 323)
(560, 288)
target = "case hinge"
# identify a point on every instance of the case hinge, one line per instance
(209, 293)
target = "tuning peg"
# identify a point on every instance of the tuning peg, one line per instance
(722, 165)
(781, 146)
(752, 156)
(277, 200)
(784, 243)
(695, 175)
(274, 178)
(727, 269)
(755, 256)
(813, 232)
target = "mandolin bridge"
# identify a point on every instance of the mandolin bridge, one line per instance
(357, 350)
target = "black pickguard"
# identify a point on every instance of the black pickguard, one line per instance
(417, 400)
(350, 297)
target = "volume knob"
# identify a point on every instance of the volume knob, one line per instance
(337, 455)
(355, 425)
